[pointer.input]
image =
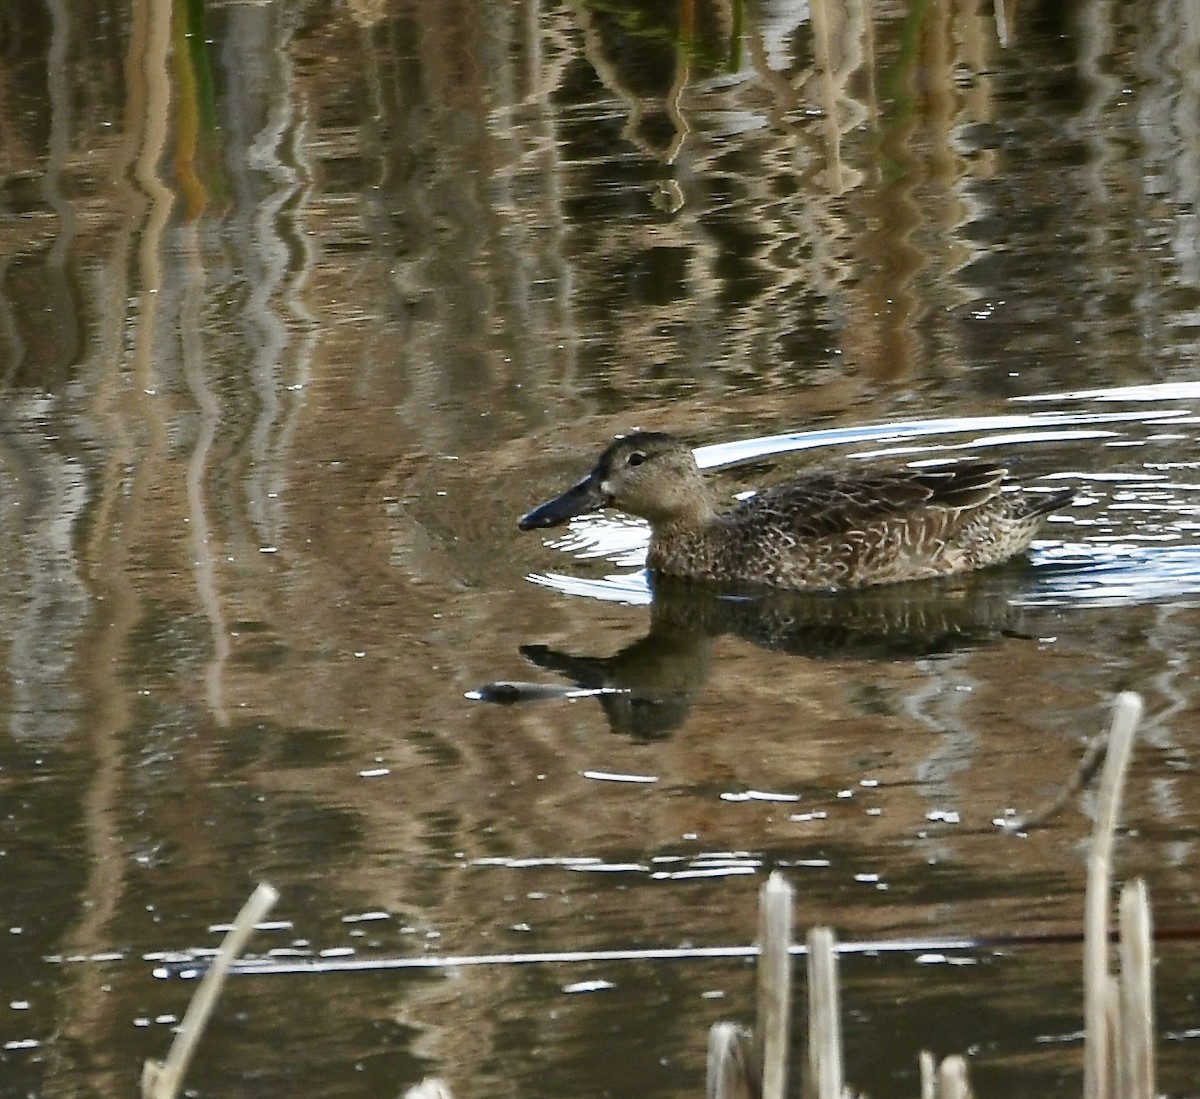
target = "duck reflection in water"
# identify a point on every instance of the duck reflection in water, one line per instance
(648, 688)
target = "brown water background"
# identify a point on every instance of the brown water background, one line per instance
(303, 304)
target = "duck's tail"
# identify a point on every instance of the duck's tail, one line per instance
(1031, 506)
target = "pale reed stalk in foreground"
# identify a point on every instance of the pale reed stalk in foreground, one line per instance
(431, 1088)
(947, 1080)
(952, 1079)
(753, 1064)
(1135, 1052)
(730, 1055)
(161, 1080)
(825, 1069)
(928, 1074)
(1098, 988)
(774, 1015)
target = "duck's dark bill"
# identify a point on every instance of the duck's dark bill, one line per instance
(577, 500)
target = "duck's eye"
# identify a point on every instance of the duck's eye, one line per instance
(636, 458)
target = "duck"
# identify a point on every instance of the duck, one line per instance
(820, 531)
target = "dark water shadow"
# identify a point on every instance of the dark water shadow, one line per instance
(647, 688)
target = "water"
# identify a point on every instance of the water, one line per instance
(303, 304)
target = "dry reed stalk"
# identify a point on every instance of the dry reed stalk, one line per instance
(162, 1079)
(730, 1054)
(1098, 1040)
(952, 1079)
(1112, 1014)
(928, 1074)
(826, 1072)
(774, 1009)
(430, 1088)
(948, 1080)
(1135, 1059)
(1093, 756)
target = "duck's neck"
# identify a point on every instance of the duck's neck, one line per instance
(693, 515)
(679, 542)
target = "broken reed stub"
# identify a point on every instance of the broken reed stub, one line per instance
(774, 1008)
(731, 1072)
(826, 1070)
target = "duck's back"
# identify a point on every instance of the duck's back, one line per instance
(826, 531)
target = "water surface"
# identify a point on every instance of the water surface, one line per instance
(303, 304)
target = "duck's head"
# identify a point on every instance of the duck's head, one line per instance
(648, 474)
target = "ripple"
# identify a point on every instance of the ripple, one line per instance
(985, 427)
(1157, 391)
(632, 588)
(1108, 575)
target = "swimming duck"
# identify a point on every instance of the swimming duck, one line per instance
(820, 531)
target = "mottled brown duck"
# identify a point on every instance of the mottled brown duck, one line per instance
(820, 531)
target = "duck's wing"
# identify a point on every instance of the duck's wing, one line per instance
(824, 505)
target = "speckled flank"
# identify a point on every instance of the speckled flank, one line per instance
(819, 531)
